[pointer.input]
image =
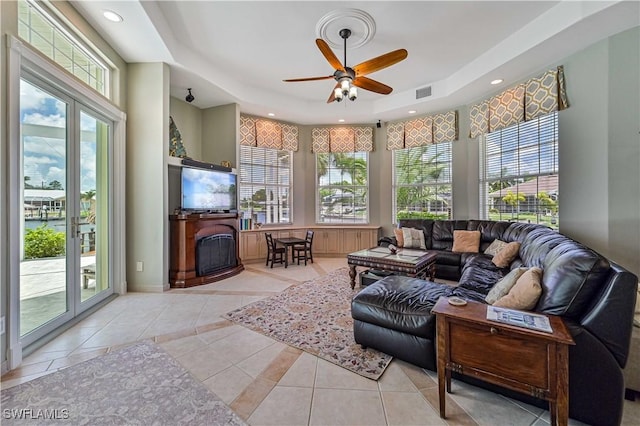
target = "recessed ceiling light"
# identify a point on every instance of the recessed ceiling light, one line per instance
(497, 81)
(413, 111)
(271, 114)
(112, 16)
(341, 120)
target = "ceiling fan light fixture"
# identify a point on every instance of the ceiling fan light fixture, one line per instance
(353, 93)
(344, 85)
(337, 93)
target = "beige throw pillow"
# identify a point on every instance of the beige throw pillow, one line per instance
(466, 241)
(399, 237)
(495, 247)
(506, 255)
(525, 293)
(503, 286)
(413, 238)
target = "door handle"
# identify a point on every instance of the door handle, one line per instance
(75, 227)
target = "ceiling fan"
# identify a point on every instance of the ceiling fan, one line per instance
(349, 78)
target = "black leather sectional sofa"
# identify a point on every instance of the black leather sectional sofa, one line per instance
(594, 296)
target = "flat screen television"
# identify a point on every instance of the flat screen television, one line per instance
(206, 190)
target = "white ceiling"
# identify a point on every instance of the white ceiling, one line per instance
(240, 51)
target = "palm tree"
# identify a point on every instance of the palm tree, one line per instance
(418, 169)
(87, 199)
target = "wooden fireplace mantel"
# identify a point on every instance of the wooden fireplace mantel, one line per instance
(185, 231)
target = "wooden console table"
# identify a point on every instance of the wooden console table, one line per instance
(521, 359)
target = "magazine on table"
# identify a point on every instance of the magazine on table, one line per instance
(519, 318)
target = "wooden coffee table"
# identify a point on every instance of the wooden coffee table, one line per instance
(412, 263)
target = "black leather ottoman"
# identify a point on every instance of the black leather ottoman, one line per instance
(393, 315)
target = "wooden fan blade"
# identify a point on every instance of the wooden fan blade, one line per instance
(332, 96)
(309, 78)
(372, 85)
(329, 55)
(380, 62)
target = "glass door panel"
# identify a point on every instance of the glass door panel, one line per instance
(93, 223)
(43, 266)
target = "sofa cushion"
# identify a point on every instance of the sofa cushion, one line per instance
(442, 235)
(397, 232)
(572, 275)
(466, 241)
(400, 303)
(505, 256)
(413, 238)
(425, 224)
(445, 257)
(503, 286)
(489, 230)
(525, 293)
(480, 274)
(495, 247)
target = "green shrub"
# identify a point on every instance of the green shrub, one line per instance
(43, 242)
(403, 214)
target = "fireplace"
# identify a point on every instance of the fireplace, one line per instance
(204, 248)
(215, 252)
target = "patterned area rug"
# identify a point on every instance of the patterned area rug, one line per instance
(137, 385)
(315, 316)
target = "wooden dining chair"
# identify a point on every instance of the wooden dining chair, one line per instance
(303, 251)
(275, 252)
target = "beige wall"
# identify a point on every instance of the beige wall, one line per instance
(220, 134)
(188, 119)
(147, 176)
(600, 149)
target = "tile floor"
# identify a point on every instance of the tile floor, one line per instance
(267, 382)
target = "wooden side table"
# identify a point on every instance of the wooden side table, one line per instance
(521, 359)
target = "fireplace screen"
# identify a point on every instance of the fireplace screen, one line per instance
(215, 252)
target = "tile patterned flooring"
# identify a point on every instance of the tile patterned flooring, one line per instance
(267, 382)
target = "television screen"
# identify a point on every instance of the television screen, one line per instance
(208, 190)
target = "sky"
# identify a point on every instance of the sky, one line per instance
(44, 151)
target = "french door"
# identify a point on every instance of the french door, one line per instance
(66, 151)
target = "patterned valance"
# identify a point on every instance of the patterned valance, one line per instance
(268, 134)
(532, 99)
(423, 131)
(342, 139)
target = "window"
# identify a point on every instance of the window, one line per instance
(265, 184)
(42, 31)
(519, 172)
(342, 187)
(422, 182)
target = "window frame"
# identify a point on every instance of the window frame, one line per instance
(515, 141)
(73, 38)
(242, 183)
(332, 186)
(447, 182)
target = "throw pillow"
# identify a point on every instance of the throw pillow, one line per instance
(506, 255)
(413, 238)
(525, 293)
(399, 238)
(495, 247)
(466, 241)
(502, 287)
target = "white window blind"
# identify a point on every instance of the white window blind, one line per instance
(519, 172)
(342, 187)
(41, 30)
(422, 182)
(265, 185)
